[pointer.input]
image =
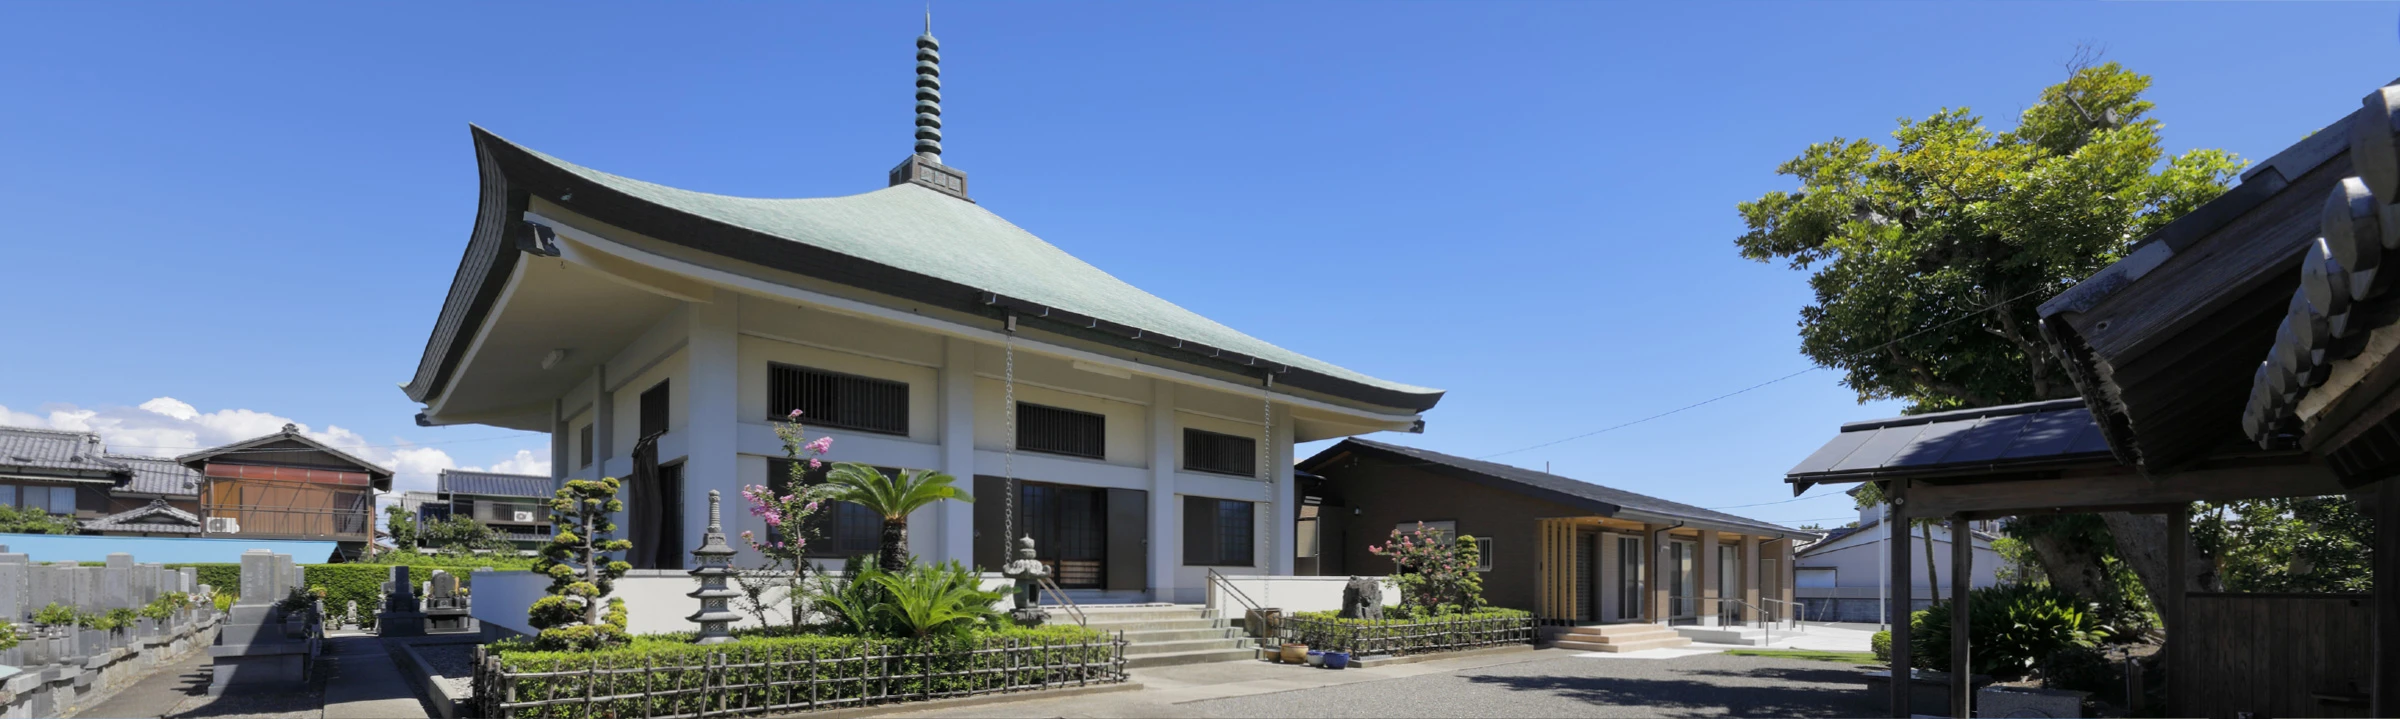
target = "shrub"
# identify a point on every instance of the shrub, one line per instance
(935, 665)
(223, 601)
(927, 600)
(55, 615)
(8, 635)
(1882, 644)
(1435, 572)
(2012, 626)
(224, 577)
(581, 576)
(2078, 668)
(1330, 631)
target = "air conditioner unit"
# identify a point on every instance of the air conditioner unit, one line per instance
(224, 525)
(521, 516)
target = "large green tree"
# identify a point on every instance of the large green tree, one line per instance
(1931, 255)
(1956, 221)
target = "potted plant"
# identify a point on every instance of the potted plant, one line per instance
(1316, 658)
(1337, 660)
(1295, 653)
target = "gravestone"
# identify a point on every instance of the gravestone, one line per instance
(191, 579)
(287, 577)
(116, 582)
(16, 589)
(445, 608)
(401, 615)
(252, 649)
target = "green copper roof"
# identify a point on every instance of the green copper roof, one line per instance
(918, 230)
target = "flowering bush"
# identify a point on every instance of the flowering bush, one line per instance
(1435, 572)
(784, 550)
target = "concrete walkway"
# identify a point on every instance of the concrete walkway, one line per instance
(1169, 691)
(366, 683)
(158, 694)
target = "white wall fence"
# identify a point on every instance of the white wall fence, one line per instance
(655, 599)
(1290, 594)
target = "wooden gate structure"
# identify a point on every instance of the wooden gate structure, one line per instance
(2237, 353)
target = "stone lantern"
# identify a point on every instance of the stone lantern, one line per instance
(715, 560)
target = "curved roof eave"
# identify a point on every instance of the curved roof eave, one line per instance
(901, 241)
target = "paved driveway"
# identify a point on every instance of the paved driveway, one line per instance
(1547, 683)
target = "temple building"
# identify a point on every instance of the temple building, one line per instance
(658, 333)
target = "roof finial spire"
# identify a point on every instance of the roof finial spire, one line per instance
(929, 91)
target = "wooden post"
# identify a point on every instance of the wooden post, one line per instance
(1659, 611)
(1895, 540)
(1709, 569)
(1962, 564)
(2386, 679)
(2179, 530)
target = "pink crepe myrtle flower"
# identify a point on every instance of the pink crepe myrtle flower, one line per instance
(820, 445)
(795, 415)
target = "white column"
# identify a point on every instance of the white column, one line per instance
(560, 434)
(1166, 512)
(711, 411)
(956, 520)
(604, 423)
(1287, 502)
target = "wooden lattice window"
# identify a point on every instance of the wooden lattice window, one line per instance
(654, 410)
(834, 399)
(1205, 451)
(1057, 430)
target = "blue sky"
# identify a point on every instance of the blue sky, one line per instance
(255, 209)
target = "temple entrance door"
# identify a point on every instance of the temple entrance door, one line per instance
(1069, 526)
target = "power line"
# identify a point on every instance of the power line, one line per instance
(1787, 501)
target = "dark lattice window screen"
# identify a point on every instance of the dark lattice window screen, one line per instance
(1217, 532)
(833, 399)
(1205, 451)
(584, 454)
(654, 410)
(837, 529)
(1061, 431)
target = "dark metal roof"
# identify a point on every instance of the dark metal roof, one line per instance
(494, 484)
(157, 516)
(2034, 432)
(158, 475)
(1606, 501)
(25, 448)
(290, 438)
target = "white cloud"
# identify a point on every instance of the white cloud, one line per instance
(165, 426)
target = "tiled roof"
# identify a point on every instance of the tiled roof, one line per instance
(28, 448)
(2034, 432)
(1565, 490)
(159, 475)
(158, 516)
(495, 484)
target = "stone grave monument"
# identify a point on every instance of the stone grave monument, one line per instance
(252, 649)
(401, 616)
(446, 610)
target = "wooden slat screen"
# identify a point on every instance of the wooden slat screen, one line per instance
(1056, 430)
(834, 399)
(654, 410)
(1205, 451)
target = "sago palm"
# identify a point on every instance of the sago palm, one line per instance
(893, 497)
(934, 599)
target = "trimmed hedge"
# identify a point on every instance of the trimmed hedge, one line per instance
(363, 583)
(225, 577)
(670, 679)
(1441, 632)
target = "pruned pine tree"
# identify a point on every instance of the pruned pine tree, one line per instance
(581, 573)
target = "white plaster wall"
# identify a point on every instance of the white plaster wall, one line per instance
(1290, 594)
(655, 601)
(1858, 561)
(1128, 443)
(758, 354)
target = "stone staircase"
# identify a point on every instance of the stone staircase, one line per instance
(1164, 635)
(1620, 638)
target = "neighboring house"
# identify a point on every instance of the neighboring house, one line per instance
(287, 486)
(1840, 578)
(58, 472)
(515, 505)
(1563, 548)
(658, 333)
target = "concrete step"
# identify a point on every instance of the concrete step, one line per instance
(1622, 646)
(1151, 625)
(1613, 631)
(1203, 656)
(1753, 636)
(1143, 614)
(1183, 645)
(1178, 635)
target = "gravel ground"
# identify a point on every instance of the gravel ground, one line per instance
(1703, 685)
(454, 665)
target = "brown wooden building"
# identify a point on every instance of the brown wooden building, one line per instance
(287, 486)
(1570, 551)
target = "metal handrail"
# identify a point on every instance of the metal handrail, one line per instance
(1272, 632)
(1051, 588)
(1764, 623)
(1793, 613)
